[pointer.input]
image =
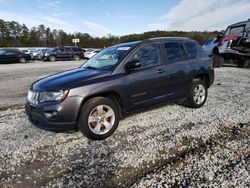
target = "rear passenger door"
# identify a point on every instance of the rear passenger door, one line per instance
(177, 67)
(68, 53)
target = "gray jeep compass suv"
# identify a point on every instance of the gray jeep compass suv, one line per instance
(116, 81)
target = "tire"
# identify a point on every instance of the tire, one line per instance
(76, 58)
(218, 61)
(104, 119)
(52, 58)
(244, 64)
(22, 60)
(197, 94)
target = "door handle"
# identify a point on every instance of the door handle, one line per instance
(160, 71)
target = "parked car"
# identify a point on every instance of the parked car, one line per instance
(13, 56)
(29, 52)
(233, 46)
(41, 53)
(209, 45)
(90, 53)
(117, 81)
(63, 53)
(35, 53)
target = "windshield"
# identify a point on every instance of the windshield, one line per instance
(106, 58)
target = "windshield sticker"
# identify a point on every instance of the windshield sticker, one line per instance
(123, 48)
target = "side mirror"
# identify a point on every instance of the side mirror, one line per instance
(134, 64)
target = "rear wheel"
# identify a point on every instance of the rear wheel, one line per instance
(52, 58)
(22, 60)
(218, 60)
(99, 118)
(197, 94)
(76, 58)
(244, 64)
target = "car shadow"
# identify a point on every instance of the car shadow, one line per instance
(95, 166)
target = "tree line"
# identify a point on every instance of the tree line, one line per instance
(13, 34)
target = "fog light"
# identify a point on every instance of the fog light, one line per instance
(50, 115)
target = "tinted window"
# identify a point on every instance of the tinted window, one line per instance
(76, 49)
(191, 49)
(174, 52)
(2, 52)
(237, 30)
(148, 55)
(247, 32)
(11, 53)
(183, 52)
(67, 49)
(208, 42)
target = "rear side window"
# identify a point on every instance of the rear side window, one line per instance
(191, 49)
(11, 53)
(174, 52)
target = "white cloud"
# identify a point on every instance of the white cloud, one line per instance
(95, 28)
(190, 15)
(55, 20)
(55, 5)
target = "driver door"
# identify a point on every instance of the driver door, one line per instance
(143, 81)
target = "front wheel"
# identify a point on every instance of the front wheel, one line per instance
(197, 94)
(22, 60)
(52, 58)
(99, 118)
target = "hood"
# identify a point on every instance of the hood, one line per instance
(68, 79)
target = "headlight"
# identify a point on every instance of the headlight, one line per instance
(53, 96)
(46, 54)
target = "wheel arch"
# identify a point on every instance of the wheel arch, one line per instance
(109, 94)
(205, 78)
(216, 50)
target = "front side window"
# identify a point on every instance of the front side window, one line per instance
(148, 55)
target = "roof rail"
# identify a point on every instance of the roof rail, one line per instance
(174, 38)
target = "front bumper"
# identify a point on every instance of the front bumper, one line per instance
(36, 117)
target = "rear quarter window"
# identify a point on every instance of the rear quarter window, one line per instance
(194, 50)
(191, 49)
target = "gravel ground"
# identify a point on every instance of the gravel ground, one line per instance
(17, 78)
(165, 146)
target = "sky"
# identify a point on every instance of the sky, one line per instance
(122, 17)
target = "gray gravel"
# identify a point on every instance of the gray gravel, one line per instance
(165, 146)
